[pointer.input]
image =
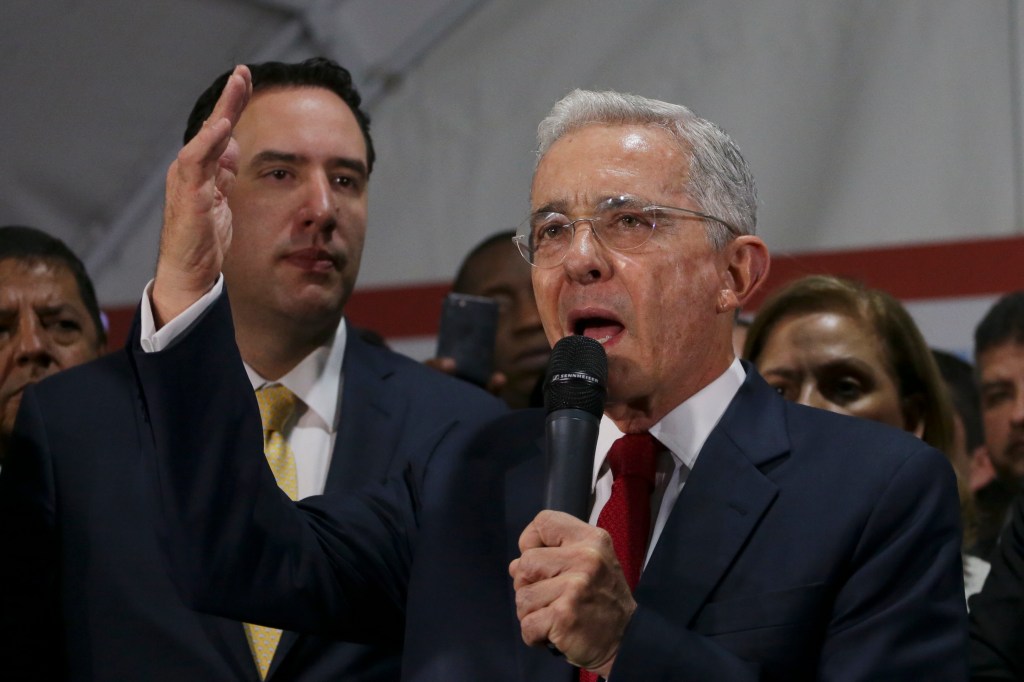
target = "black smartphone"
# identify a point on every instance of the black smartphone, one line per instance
(468, 327)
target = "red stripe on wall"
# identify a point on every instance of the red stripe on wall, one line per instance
(912, 272)
(398, 311)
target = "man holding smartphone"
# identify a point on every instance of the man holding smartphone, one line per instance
(494, 269)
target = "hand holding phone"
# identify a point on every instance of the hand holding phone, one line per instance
(468, 328)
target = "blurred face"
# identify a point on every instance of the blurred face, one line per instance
(1001, 372)
(44, 328)
(299, 210)
(833, 362)
(521, 349)
(656, 308)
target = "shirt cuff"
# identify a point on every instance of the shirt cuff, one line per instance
(152, 339)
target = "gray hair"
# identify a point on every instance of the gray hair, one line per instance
(719, 179)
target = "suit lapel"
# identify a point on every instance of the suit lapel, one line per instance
(725, 496)
(370, 412)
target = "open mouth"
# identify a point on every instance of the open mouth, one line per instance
(601, 329)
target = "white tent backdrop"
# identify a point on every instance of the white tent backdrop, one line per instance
(867, 123)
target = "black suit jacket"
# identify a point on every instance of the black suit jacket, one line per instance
(997, 612)
(85, 593)
(804, 546)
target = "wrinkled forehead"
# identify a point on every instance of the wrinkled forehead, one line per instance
(597, 162)
(38, 281)
(18, 271)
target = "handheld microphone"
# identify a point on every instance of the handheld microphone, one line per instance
(574, 394)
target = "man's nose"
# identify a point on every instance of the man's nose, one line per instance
(320, 205)
(32, 344)
(585, 258)
(1017, 416)
(525, 316)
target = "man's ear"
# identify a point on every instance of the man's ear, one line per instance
(746, 268)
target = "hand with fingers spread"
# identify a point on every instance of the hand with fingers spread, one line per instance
(197, 219)
(570, 590)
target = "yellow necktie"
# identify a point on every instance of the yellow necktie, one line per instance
(277, 404)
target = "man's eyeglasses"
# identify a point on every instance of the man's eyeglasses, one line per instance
(620, 223)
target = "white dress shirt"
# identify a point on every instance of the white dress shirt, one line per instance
(683, 431)
(316, 381)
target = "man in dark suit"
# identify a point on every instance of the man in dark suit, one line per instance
(738, 536)
(999, 359)
(84, 589)
(997, 612)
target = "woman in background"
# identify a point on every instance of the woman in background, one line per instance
(834, 344)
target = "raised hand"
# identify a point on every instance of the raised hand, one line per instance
(570, 590)
(197, 220)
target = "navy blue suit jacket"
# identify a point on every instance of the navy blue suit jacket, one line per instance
(997, 612)
(804, 546)
(85, 593)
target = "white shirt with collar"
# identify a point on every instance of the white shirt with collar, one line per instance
(683, 431)
(316, 381)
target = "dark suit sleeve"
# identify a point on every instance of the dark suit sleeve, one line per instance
(336, 565)
(898, 615)
(997, 612)
(31, 634)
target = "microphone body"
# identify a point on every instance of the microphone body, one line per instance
(574, 393)
(571, 437)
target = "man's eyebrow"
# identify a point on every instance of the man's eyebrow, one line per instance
(352, 164)
(616, 200)
(57, 309)
(271, 156)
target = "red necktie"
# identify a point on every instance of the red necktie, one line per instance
(626, 516)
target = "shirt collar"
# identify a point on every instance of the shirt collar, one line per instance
(315, 380)
(685, 429)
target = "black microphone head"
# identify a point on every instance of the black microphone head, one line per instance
(577, 376)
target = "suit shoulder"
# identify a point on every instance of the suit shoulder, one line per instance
(91, 379)
(430, 385)
(854, 442)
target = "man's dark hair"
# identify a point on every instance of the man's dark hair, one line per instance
(1004, 322)
(462, 283)
(959, 376)
(27, 244)
(317, 72)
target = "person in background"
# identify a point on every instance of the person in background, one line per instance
(999, 363)
(85, 592)
(49, 318)
(730, 534)
(969, 434)
(837, 345)
(494, 269)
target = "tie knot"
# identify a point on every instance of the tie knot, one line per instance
(276, 405)
(635, 455)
